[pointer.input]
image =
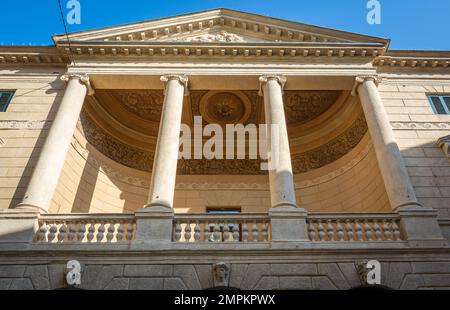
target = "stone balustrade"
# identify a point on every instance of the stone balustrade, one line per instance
(354, 227)
(221, 228)
(88, 228)
(218, 228)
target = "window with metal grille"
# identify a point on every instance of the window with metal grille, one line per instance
(5, 99)
(440, 104)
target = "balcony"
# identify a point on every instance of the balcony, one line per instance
(210, 231)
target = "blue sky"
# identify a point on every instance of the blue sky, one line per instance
(410, 24)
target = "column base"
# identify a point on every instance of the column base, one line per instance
(154, 224)
(31, 207)
(421, 227)
(18, 228)
(288, 223)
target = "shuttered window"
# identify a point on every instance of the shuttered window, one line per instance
(5, 99)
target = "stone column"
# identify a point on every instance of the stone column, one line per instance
(282, 192)
(164, 172)
(396, 179)
(154, 222)
(418, 223)
(288, 223)
(45, 177)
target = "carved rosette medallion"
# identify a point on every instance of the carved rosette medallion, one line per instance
(225, 107)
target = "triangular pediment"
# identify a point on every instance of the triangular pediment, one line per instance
(218, 26)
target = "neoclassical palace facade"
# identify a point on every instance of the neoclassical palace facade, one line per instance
(89, 168)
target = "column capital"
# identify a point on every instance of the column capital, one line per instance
(181, 78)
(263, 79)
(362, 78)
(82, 77)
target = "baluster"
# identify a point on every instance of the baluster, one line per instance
(62, 232)
(81, 232)
(358, 230)
(339, 231)
(216, 233)
(311, 231)
(255, 232)
(368, 231)
(72, 231)
(130, 231)
(377, 230)
(197, 232)
(226, 232)
(101, 232)
(386, 231)
(264, 234)
(52, 232)
(349, 227)
(330, 230)
(235, 233)
(91, 231)
(321, 231)
(111, 231)
(187, 231)
(42, 235)
(244, 232)
(207, 231)
(178, 231)
(396, 230)
(120, 232)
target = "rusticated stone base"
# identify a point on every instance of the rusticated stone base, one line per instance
(248, 276)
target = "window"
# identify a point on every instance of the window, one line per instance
(440, 104)
(5, 99)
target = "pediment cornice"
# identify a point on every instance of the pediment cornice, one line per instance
(252, 26)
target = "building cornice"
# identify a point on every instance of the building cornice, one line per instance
(32, 55)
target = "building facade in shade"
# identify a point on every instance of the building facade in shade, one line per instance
(90, 140)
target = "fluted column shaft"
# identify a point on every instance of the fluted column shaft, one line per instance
(45, 177)
(282, 192)
(396, 179)
(162, 187)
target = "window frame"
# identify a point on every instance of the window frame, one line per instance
(12, 93)
(441, 101)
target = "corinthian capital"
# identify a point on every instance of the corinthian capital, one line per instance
(361, 79)
(281, 79)
(181, 78)
(82, 77)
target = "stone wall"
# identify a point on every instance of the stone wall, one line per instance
(23, 129)
(417, 130)
(340, 275)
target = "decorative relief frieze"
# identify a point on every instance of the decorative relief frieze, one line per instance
(140, 182)
(420, 125)
(302, 162)
(332, 150)
(144, 103)
(112, 148)
(222, 36)
(31, 125)
(304, 106)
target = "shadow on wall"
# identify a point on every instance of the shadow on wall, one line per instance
(31, 163)
(86, 186)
